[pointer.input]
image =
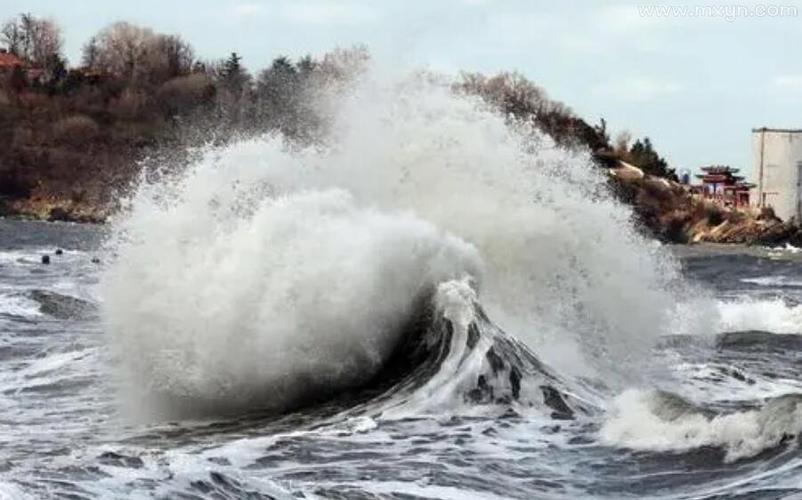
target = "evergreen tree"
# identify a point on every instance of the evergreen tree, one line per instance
(234, 75)
(278, 89)
(306, 66)
(643, 155)
(56, 67)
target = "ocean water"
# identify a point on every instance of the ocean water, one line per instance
(723, 422)
(436, 304)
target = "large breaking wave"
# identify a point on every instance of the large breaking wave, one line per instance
(266, 276)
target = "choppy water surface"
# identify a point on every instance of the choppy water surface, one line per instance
(726, 426)
(433, 303)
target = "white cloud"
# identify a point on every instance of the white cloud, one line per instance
(637, 88)
(789, 81)
(326, 13)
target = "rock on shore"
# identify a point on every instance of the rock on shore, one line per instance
(668, 211)
(54, 208)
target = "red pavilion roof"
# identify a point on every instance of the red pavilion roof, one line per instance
(8, 61)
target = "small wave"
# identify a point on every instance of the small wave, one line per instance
(774, 281)
(658, 421)
(61, 306)
(752, 339)
(18, 305)
(775, 316)
(703, 316)
(787, 248)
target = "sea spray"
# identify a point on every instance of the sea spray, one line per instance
(304, 296)
(266, 276)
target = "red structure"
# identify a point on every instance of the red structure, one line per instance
(9, 61)
(721, 184)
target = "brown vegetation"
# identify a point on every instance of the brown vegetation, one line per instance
(72, 137)
(663, 208)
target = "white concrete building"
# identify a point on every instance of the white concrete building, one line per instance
(777, 168)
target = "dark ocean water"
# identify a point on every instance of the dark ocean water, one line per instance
(463, 411)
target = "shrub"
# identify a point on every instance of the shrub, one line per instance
(76, 129)
(129, 105)
(184, 93)
(23, 136)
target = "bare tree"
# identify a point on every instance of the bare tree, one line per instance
(138, 54)
(90, 53)
(344, 65)
(47, 42)
(33, 39)
(12, 36)
(119, 49)
(174, 54)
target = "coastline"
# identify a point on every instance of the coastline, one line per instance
(53, 209)
(663, 208)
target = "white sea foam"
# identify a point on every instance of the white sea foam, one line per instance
(18, 304)
(787, 248)
(770, 281)
(261, 271)
(774, 316)
(655, 421)
(706, 315)
(9, 491)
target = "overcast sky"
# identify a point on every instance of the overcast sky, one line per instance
(695, 84)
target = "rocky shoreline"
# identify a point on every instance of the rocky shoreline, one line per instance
(668, 211)
(663, 208)
(53, 208)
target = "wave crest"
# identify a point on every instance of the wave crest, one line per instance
(659, 421)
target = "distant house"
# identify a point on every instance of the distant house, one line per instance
(778, 170)
(9, 61)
